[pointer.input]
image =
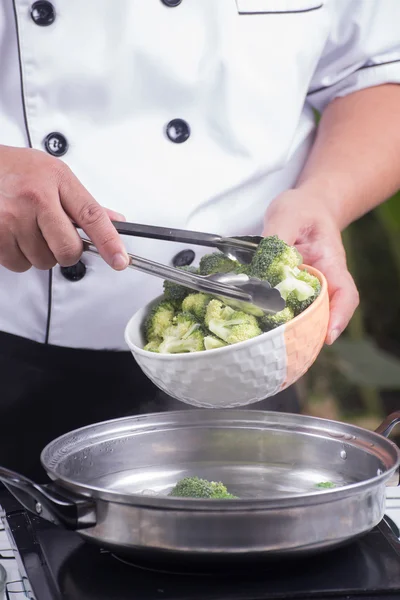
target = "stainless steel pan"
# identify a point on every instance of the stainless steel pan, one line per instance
(272, 461)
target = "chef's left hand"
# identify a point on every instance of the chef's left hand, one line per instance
(309, 225)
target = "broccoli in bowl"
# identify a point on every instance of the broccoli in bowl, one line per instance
(186, 321)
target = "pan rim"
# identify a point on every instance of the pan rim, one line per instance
(240, 504)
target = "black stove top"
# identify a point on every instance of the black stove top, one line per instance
(61, 566)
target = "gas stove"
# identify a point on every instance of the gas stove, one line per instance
(45, 562)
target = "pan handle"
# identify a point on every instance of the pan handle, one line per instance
(388, 424)
(50, 501)
(385, 429)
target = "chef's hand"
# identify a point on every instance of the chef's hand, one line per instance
(39, 199)
(308, 225)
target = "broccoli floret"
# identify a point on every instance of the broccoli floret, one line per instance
(216, 263)
(292, 284)
(246, 307)
(184, 335)
(196, 304)
(325, 484)
(158, 320)
(220, 491)
(271, 258)
(190, 343)
(175, 292)
(194, 487)
(239, 268)
(268, 322)
(211, 342)
(232, 326)
(299, 291)
(153, 345)
(184, 322)
(216, 309)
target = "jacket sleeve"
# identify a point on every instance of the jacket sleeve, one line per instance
(363, 49)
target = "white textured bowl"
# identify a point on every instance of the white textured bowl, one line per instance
(240, 374)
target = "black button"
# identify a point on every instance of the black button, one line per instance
(183, 258)
(74, 273)
(43, 13)
(178, 131)
(56, 144)
(171, 3)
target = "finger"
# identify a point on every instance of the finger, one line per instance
(60, 235)
(344, 298)
(11, 256)
(94, 220)
(114, 216)
(34, 247)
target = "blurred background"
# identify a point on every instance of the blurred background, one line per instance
(357, 380)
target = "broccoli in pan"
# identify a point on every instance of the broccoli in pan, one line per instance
(194, 487)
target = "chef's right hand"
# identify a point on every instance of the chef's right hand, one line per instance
(39, 199)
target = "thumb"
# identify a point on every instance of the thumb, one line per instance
(282, 225)
(282, 217)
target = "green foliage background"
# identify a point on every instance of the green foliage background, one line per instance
(358, 379)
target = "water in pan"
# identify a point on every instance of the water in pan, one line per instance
(244, 481)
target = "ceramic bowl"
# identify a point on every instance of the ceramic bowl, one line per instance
(240, 374)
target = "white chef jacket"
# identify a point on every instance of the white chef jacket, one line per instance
(108, 76)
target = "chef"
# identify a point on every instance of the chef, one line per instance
(197, 114)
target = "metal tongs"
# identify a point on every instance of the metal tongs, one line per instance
(236, 287)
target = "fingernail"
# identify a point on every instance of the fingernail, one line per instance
(119, 262)
(334, 336)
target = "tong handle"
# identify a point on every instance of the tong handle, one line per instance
(169, 234)
(165, 233)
